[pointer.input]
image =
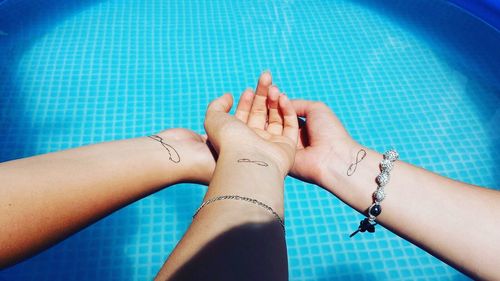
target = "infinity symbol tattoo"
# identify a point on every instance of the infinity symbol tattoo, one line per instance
(359, 157)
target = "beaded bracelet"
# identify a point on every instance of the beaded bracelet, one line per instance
(242, 198)
(386, 165)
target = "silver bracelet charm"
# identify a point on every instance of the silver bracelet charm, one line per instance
(386, 165)
(242, 198)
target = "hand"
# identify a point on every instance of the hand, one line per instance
(322, 139)
(265, 123)
(194, 148)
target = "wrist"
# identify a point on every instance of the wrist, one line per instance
(183, 153)
(351, 174)
(337, 161)
(167, 165)
(256, 176)
(254, 155)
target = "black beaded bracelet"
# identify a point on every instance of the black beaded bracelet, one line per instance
(386, 165)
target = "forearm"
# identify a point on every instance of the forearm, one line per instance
(46, 198)
(243, 227)
(450, 219)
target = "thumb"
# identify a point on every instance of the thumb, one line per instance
(221, 104)
(217, 117)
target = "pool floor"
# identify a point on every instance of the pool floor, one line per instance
(117, 69)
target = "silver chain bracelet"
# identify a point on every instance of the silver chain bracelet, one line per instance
(242, 198)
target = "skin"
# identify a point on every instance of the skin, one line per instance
(265, 129)
(454, 221)
(48, 197)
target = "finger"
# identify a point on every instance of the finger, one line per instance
(275, 122)
(305, 108)
(258, 113)
(244, 105)
(265, 80)
(302, 107)
(321, 123)
(221, 104)
(290, 123)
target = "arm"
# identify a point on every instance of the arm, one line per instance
(48, 197)
(454, 221)
(237, 240)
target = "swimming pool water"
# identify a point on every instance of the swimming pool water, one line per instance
(74, 73)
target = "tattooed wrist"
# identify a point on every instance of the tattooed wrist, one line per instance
(172, 152)
(256, 162)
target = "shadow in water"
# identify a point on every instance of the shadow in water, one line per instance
(22, 23)
(488, 107)
(473, 43)
(96, 252)
(467, 44)
(30, 19)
